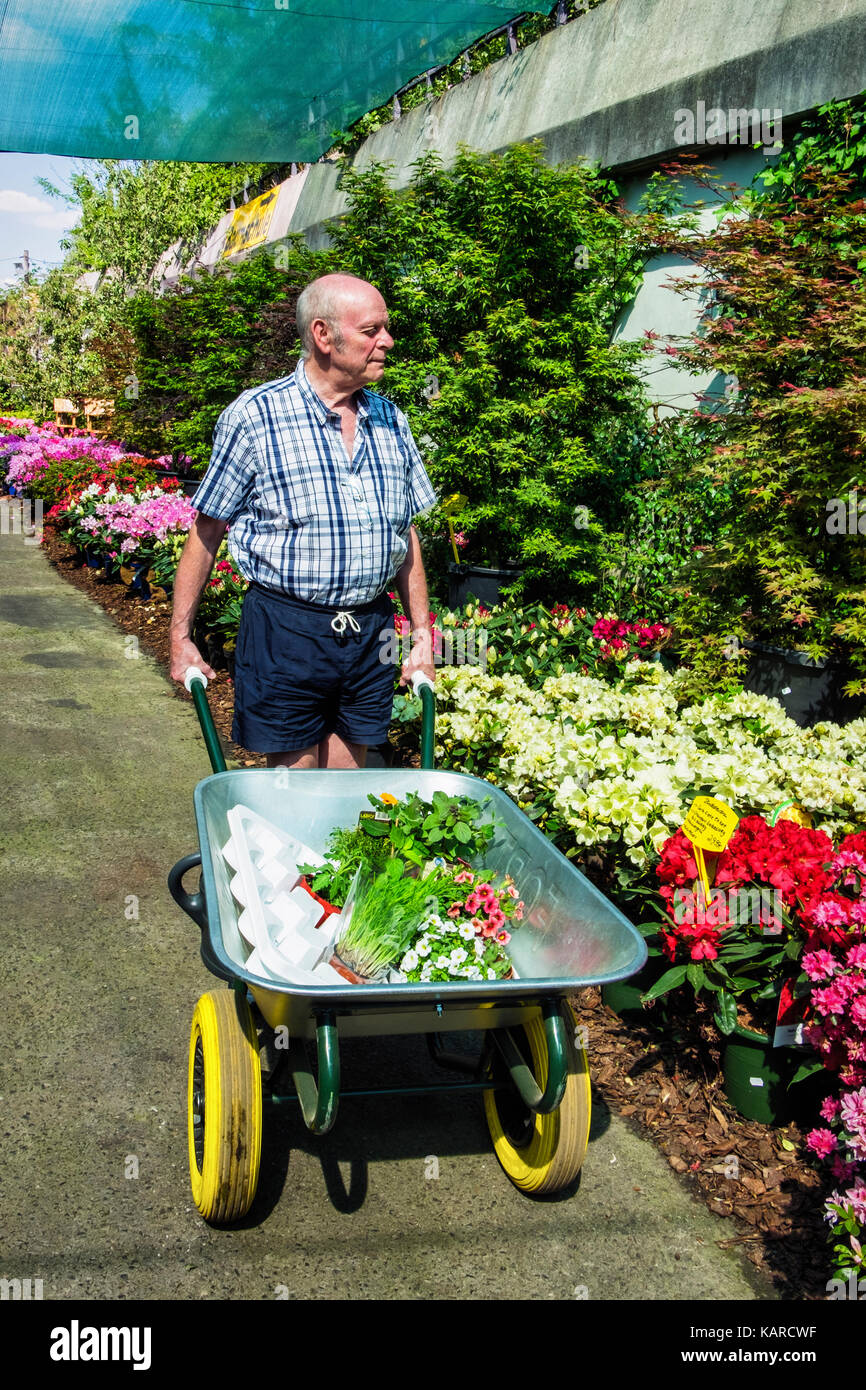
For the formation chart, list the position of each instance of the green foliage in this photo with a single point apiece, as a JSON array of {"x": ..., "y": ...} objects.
[
  {"x": 387, "y": 911},
  {"x": 449, "y": 826},
  {"x": 670, "y": 514},
  {"x": 347, "y": 848},
  {"x": 58, "y": 338},
  {"x": 412, "y": 830},
  {"x": 504, "y": 278},
  {"x": 131, "y": 211},
  {"x": 198, "y": 346},
  {"x": 790, "y": 326}
]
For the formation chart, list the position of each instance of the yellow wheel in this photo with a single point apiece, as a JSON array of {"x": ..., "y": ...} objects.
[
  {"x": 542, "y": 1153},
  {"x": 224, "y": 1103}
]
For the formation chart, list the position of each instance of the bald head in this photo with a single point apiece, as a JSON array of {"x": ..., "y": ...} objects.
[
  {"x": 328, "y": 298},
  {"x": 343, "y": 324}
]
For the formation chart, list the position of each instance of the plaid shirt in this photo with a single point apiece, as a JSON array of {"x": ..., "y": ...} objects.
[{"x": 303, "y": 519}]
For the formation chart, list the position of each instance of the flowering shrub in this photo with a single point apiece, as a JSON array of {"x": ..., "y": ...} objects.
[
  {"x": 835, "y": 964},
  {"x": 616, "y": 765},
  {"x": 130, "y": 524},
  {"x": 447, "y": 950},
  {"x": 741, "y": 945},
  {"x": 63, "y": 483},
  {"x": 41, "y": 446},
  {"x": 535, "y": 642},
  {"x": 222, "y": 599}
]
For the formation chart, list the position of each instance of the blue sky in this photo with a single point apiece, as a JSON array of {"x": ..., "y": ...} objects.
[{"x": 28, "y": 217}]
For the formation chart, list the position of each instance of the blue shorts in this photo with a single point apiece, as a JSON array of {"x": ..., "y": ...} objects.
[{"x": 298, "y": 680}]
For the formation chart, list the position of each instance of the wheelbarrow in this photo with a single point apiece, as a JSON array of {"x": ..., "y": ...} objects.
[{"x": 532, "y": 1066}]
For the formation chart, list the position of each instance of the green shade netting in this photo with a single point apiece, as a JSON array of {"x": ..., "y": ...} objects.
[{"x": 221, "y": 80}]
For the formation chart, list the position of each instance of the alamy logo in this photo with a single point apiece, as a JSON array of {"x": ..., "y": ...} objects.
[
  {"x": 19, "y": 1290},
  {"x": 19, "y": 516},
  {"x": 76, "y": 1343},
  {"x": 846, "y": 516},
  {"x": 740, "y": 125}
]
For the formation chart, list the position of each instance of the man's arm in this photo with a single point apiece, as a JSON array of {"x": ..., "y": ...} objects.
[
  {"x": 412, "y": 588},
  {"x": 193, "y": 572}
]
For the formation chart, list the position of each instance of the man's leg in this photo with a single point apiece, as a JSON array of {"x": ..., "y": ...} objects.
[
  {"x": 335, "y": 751},
  {"x": 297, "y": 757}
]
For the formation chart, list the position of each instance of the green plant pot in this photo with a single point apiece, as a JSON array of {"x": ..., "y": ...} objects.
[
  {"x": 756, "y": 1077},
  {"x": 623, "y": 996}
]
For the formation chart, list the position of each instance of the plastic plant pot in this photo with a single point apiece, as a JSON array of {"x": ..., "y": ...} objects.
[
  {"x": 756, "y": 1077},
  {"x": 467, "y": 582},
  {"x": 623, "y": 996}
]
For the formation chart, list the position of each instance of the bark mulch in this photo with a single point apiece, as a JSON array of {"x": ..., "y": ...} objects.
[
  {"x": 663, "y": 1076},
  {"x": 665, "y": 1079}
]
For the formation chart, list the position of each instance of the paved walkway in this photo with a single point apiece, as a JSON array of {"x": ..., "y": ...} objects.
[{"x": 101, "y": 973}]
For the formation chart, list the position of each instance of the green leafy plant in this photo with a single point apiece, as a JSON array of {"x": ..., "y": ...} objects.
[
  {"x": 448, "y": 826},
  {"x": 504, "y": 278},
  {"x": 387, "y": 911},
  {"x": 411, "y": 832},
  {"x": 789, "y": 328},
  {"x": 347, "y": 848}
]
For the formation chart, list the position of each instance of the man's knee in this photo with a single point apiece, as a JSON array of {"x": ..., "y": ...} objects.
[{"x": 299, "y": 758}]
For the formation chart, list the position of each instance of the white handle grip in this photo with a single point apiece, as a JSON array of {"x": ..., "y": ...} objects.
[
  {"x": 194, "y": 674},
  {"x": 418, "y": 679}
]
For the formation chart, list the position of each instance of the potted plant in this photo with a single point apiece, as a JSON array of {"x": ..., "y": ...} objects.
[
  {"x": 744, "y": 945},
  {"x": 484, "y": 583},
  {"x": 383, "y": 916},
  {"x": 809, "y": 690}
]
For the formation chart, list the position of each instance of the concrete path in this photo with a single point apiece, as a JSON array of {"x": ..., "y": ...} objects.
[{"x": 101, "y": 973}]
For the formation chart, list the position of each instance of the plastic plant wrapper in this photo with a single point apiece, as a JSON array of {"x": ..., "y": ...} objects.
[{"x": 383, "y": 913}]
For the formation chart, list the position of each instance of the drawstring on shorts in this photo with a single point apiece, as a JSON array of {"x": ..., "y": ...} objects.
[{"x": 344, "y": 619}]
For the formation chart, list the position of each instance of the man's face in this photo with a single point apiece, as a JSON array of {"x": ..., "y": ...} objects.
[{"x": 364, "y": 326}]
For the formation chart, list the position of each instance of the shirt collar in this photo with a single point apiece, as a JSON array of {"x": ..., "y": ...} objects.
[{"x": 323, "y": 412}]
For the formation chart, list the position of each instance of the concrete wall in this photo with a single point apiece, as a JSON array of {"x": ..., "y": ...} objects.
[
  {"x": 607, "y": 86},
  {"x": 612, "y": 86}
]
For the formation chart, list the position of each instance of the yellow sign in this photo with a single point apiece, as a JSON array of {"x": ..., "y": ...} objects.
[
  {"x": 450, "y": 505},
  {"x": 250, "y": 223},
  {"x": 710, "y": 824}
]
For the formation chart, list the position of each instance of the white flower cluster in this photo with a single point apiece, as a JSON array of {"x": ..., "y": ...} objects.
[
  {"x": 620, "y": 763},
  {"x": 439, "y": 955}
]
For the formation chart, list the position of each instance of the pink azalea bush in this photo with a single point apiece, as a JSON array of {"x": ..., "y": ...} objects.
[
  {"x": 834, "y": 963},
  {"x": 32, "y": 454},
  {"x": 130, "y": 524}
]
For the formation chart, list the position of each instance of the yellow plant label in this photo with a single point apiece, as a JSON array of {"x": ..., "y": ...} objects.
[
  {"x": 710, "y": 824},
  {"x": 450, "y": 506}
]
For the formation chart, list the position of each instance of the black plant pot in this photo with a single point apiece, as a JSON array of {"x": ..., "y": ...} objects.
[
  {"x": 467, "y": 582},
  {"x": 808, "y": 691},
  {"x": 191, "y": 486}
]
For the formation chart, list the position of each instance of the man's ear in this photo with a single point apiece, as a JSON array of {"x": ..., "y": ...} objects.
[{"x": 322, "y": 335}]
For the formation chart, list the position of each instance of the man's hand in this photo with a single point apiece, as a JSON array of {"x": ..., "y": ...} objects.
[
  {"x": 420, "y": 657},
  {"x": 193, "y": 572},
  {"x": 184, "y": 653}
]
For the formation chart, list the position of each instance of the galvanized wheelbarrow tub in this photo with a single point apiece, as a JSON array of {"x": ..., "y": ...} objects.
[{"x": 571, "y": 936}]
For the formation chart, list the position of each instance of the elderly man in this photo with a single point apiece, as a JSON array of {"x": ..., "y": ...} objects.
[{"x": 319, "y": 480}]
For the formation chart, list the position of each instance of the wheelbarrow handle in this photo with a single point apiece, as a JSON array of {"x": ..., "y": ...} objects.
[
  {"x": 196, "y": 683},
  {"x": 193, "y": 904},
  {"x": 423, "y": 686}
]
